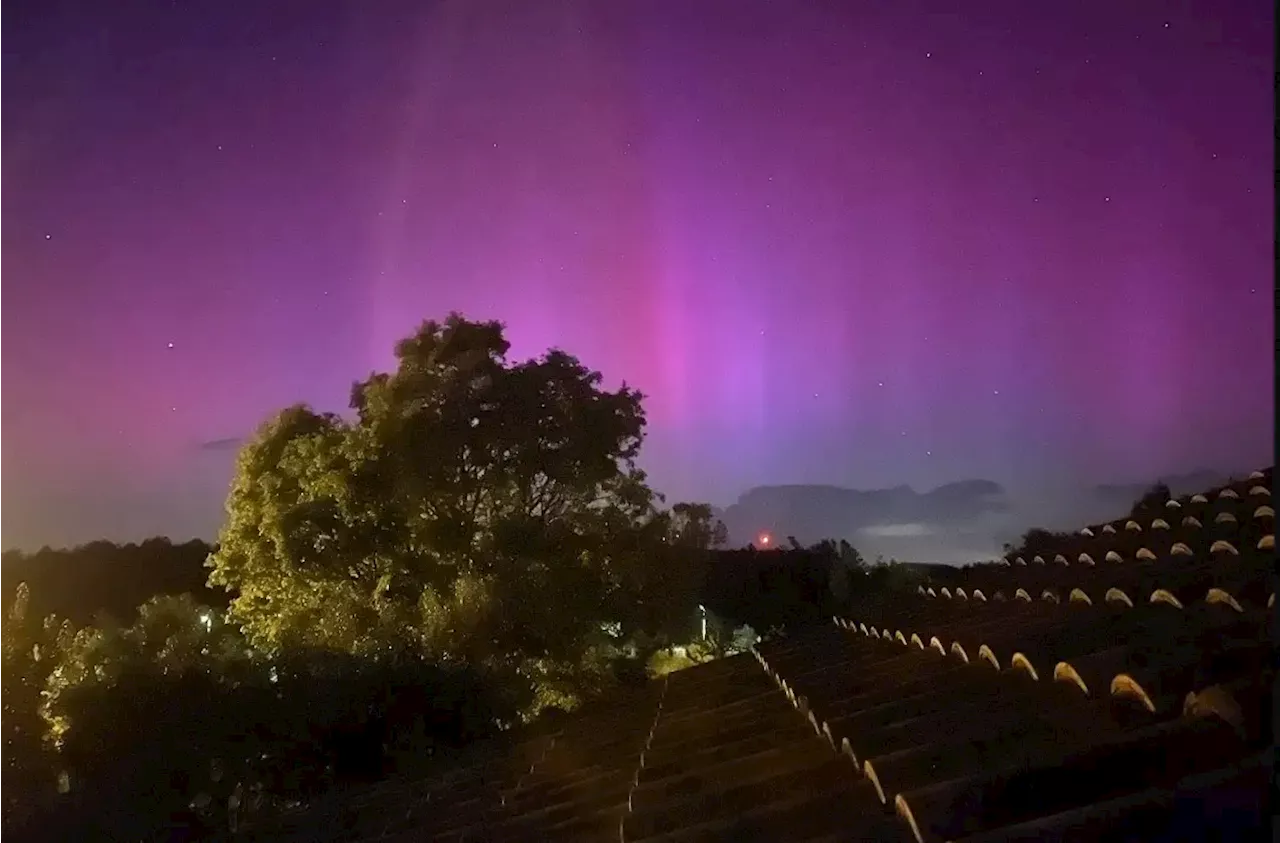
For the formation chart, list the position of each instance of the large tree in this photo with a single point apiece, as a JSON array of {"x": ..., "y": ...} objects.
[{"x": 474, "y": 509}]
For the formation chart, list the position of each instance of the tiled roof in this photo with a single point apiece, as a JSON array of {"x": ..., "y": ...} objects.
[{"x": 1104, "y": 693}]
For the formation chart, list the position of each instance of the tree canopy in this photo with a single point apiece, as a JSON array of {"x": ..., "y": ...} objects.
[{"x": 474, "y": 509}]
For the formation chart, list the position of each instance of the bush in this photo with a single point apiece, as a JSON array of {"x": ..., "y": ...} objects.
[
  {"x": 166, "y": 724},
  {"x": 667, "y": 661}
]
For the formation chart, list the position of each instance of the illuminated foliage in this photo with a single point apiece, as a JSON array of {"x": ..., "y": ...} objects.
[
  {"x": 31, "y": 649},
  {"x": 174, "y": 715},
  {"x": 668, "y": 661}
]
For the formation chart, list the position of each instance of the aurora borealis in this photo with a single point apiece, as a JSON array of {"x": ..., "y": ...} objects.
[{"x": 856, "y": 244}]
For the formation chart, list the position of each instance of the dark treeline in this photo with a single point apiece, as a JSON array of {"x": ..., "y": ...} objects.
[
  {"x": 769, "y": 589},
  {"x": 784, "y": 588},
  {"x": 102, "y": 582},
  {"x": 102, "y": 578}
]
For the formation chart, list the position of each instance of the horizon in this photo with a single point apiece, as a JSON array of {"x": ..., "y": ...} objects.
[{"x": 742, "y": 539}]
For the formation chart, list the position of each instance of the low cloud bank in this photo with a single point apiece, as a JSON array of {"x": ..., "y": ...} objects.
[{"x": 961, "y": 522}]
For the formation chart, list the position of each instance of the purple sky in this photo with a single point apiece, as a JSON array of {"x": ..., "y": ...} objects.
[{"x": 854, "y": 243}]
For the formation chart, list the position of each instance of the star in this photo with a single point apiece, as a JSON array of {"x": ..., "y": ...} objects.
[
  {"x": 170, "y": 345},
  {"x": 48, "y": 237}
]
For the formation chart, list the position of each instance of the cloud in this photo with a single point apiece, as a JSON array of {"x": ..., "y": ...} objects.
[
  {"x": 896, "y": 530},
  {"x": 230, "y": 443}
]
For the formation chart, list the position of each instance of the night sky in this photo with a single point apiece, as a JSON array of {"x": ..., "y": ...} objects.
[{"x": 864, "y": 244}]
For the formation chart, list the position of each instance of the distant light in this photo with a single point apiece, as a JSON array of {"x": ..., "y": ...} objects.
[
  {"x": 207, "y": 620},
  {"x": 764, "y": 539}
]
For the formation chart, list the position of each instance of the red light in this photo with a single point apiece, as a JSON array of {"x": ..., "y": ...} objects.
[{"x": 764, "y": 539}]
